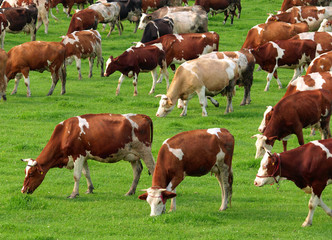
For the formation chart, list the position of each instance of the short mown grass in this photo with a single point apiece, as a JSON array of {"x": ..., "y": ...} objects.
[{"x": 26, "y": 125}]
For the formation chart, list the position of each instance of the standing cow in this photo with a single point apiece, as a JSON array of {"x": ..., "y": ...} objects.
[
  {"x": 3, "y": 80},
  {"x": 157, "y": 28},
  {"x": 185, "y": 155},
  {"x": 308, "y": 166},
  {"x": 102, "y": 137}
]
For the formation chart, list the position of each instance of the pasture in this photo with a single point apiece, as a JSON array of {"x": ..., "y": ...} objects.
[{"x": 26, "y": 125}]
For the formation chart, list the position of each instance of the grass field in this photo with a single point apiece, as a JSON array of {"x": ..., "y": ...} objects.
[{"x": 26, "y": 125}]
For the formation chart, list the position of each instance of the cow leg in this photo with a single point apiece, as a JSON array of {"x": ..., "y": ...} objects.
[
  {"x": 284, "y": 144},
  {"x": 246, "y": 98},
  {"x": 297, "y": 73},
  {"x": 202, "y": 101},
  {"x": 136, "y": 27},
  {"x": 148, "y": 159},
  {"x": 165, "y": 73},
  {"x": 325, "y": 207},
  {"x": 325, "y": 128},
  {"x": 86, "y": 173},
  {"x": 122, "y": 77},
  {"x": 154, "y": 80},
  {"x": 173, "y": 202},
  {"x": 230, "y": 93},
  {"x": 100, "y": 62},
  {"x": 3, "y": 39},
  {"x": 313, "y": 202},
  {"x": 27, "y": 84},
  {"x": 91, "y": 60},
  {"x": 17, "y": 80},
  {"x": 213, "y": 101},
  {"x": 135, "y": 83},
  {"x": 185, "y": 108},
  {"x": 78, "y": 167},
  {"x": 269, "y": 78},
  {"x": 78, "y": 66},
  {"x": 63, "y": 77},
  {"x": 137, "y": 169},
  {"x": 52, "y": 15}
]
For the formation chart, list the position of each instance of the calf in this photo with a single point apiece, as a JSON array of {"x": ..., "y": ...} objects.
[
  {"x": 19, "y": 19},
  {"x": 184, "y": 155},
  {"x": 83, "y": 44},
  {"x": 284, "y": 53},
  {"x": 135, "y": 60},
  {"x": 308, "y": 166},
  {"x": 102, "y": 137},
  {"x": 321, "y": 63},
  {"x": 246, "y": 63},
  {"x": 294, "y": 112},
  {"x": 3, "y": 80},
  {"x": 37, "y": 56},
  {"x": 157, "y": 28},
  {"x": 84, "y": 20},
  {"x": 313, "y": 16},
  {"x": 271, "y": 31},
  {"x": 203, "y": 77},
  {"x": 286, "y": 4}
]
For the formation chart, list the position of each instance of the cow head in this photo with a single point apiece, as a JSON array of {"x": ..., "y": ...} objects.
[
  {"x": 266, "y": 118},
  {"x": 325, "y": 26},
  {"x": 165, "y": 105},
  {"x": 262, "y": 144},
  {"x": 157, "y": 198},
  {"x": 109, "y": 67},
  {"x": 269, "y": 170},
  {"x": 34, "y": 176},
  {"x": 144, "y": 20}
]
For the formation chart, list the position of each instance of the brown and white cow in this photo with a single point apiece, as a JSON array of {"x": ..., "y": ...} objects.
[
  {"x": 37, "y": 56},
  {"x": 83, "y": 44},
  {"x": 185, "y": 155},
  {"x": 19, "y": 19},
  {"x": 321, "y": 63},
  {"x": 246, "y": 63},
  {"x": 294, "y": 54},
  {"x": 42, "y": 6},
  {"x": 325, "y": 26},
  {"x": 294, "y": 112},
  {"x": 204, "y": 77},
  {"x": 102, "y": 137},
  {"x": 186, "y": 19},
  {"x": 313, "y": 16},
  {"x": 3, "y": 80},
  {"x": 323, "y": 40},
  {"x": 308, "y": 166},
  {"x": 286, "y": 4},
  {"x": 271, "y": 31},
  {"x": 84, "y": 20},
  {"x": 138, "y": 59},
  {"x": 68, "y": 4}
]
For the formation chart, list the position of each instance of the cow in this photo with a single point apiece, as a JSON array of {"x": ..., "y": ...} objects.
[
  {"x": 226, "y": 6},
  {"x": 37, "y": 56},
  {"x": 84, "y": 20},
  {"x": 110, "y": 13},
  {"x": 308, "y": 166},
  {"x": 291, "y": 3},
  {"x": 42, "y": 6},
  {"x": 323, "y": 40},
  {"x": 153, "y": 4},
  {"x": 325, "y": 26},
  {"x": 157, "y": 28},
  {"x": 102, "y": 137},
  {"x": 135, "y": 60},
  {"x": 83, "y": 44},
  {"x": 294, "y": 112},
  {"x": 186, "y": 19},
  {"x": 184, "y": 155},
  {"x": 203, "y": 76},
  {"x": 321, "y": 63},
  {"x": 289, "y": 53},
  {"x": 68, "y": 4},
  {"x": 246, "y": 63},
  {"x": 313, "y": 16},
  {"x": 19, "y": 19},
  {"x": 271, "y": 31},
  {"x": 3, "y": 80}
]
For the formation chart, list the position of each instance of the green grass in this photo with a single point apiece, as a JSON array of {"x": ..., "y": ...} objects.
[{"x": 26, "y": 125}]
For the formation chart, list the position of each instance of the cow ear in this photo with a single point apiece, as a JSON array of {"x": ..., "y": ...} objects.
[
  {"x": 168, "y": 194},
  {"x": 111, "y": 57},
  {"x": 169, "y": 102},
  {"x": 143, "y": 196}
]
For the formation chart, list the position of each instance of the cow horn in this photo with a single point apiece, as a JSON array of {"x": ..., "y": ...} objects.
[
  {"x": 255, "y": 136},
  {"x": 159, "y": 95},
  {"x": 143, "y": 190}
]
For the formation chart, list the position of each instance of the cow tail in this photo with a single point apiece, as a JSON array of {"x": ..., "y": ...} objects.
[{"x": 151, "y": 127}]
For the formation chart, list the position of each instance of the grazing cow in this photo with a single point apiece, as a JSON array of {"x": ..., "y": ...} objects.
[
  {"x": 289, "y": 53},
  {"x": 185, "y": 155},
  {"x": 323, "y": 40},
  {"x": 42, "y": 6},
  {"x": 102, "y": 137},
  {"x": 83, "y": 44},
  {"x": 19, "y": 20},
  {"x": 325, "y": 26},
  {"x": 291, "y": 3},
  {"x": 186, "y": 19},
  {"x": 294, "y": 112},
  {"x": 321, "y": 63},
  {"x": 3, "y": 80},
  {"x": 84, "y": 20},
  {"x": 153, "y": 4},
  {"x": 246, "y": 63},
  {"x": 37, "y": 56},
  {"x": 313, "y": 16},
  {"x": 271, "y": 31},
  {"x": 109, "y": 12},
  {"x": 157, "y": 28},
  {"x": 308, "y": 166},
  {"x": 135, "y": 60},
  {"x": 204, "y": 77}
]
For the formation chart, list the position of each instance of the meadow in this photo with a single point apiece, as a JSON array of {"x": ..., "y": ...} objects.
[{"x": 26, "y": 125}]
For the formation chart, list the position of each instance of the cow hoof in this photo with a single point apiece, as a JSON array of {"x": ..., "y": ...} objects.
[
  {"x": 129, "y": 193},
  {"x": 72, "y": 196},
  {"x": 305, "y": 224}
]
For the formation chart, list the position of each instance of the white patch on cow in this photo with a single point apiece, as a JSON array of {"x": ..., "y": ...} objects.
[
  {"x": 230, "y": 69},
  {"x": 61, "y": 123},
  {"x": 178, "y": 37},
  {"x": 70, "y": 164},
  {"x": 177, "y": 152},
  {"x": 307, "y": 35},
  {"x": 214, "y": 131},
  {"x": 130, "y": 49},
  {"x": 307, "y": 189},
  {"x": 203, "y": 36},
  {"x": 108, "y": 62},
  {"x": 263, "y": 123},
  {"x": 329, "y": 182},
  {"x": 155, "y": 201},
  {"x": 325, "y": 149},
  {"x": 82, "y": 123},
  {"x": 326, "y": 113},
  {"x": 302, "y": 86},
  {"x": 31, "y": 163},
  {"x": 259, "y": 29},
  {"x": 78, "y": 18},
  {"x": 189, "y": 67},
  {"x": 49, "y": 63},
  {"x": 220, "y": 155},
  {"x": 280, "y": 51},
  {"x": 127, "y": 116},
  {"x": 158, "y": 45},
  {"x": 207, "y": 49}
]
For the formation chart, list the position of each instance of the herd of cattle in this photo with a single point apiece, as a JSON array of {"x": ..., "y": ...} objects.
[{"x": 179, "y": 35}]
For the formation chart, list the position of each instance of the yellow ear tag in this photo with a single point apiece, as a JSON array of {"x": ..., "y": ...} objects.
[
  {"x": 41, "y": 173},
  {"x": 272, "y": 164}
]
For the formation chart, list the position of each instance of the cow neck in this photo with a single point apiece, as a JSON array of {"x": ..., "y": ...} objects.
[
  {"x": 160, "y": 178},
  {"x": 49, "y": 158}
]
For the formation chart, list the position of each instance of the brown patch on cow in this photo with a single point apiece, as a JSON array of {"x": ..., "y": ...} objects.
[
  {"x": 311, "y": 12},
  {"x": 309, "y": 82}
]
